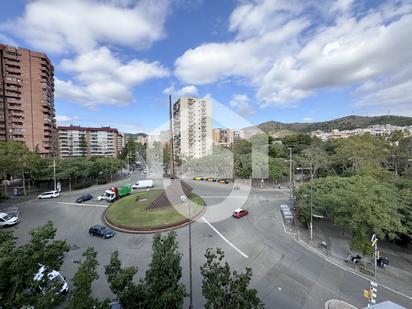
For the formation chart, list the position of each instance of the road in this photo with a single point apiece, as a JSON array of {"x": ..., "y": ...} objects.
[{"x": 285, "y": 273}]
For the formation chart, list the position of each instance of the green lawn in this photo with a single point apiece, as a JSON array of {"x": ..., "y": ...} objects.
[{"x": 128, "y": 211}]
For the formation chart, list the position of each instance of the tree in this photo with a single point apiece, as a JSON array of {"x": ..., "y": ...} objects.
[
  {"x": 224, "y": 289},
  {"x": 129, "y": 294},
  {"x": 18, "y": 265},
  {"x": 361, "y": 155},
  {"x": 160, "y": 288},
  {"x": 162, "y": 280},
  {"x": 362, "y": 204},
  {"x": 83, "y": 145},
  {"x": 131, "y": 149},
  {"x": 80, "y": 296}
]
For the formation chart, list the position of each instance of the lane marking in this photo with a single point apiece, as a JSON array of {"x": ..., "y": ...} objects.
[
  {"x": 224, "y": 196},
  {"x": 83, "y": 205},
  {"x": 224, "y": 238}
]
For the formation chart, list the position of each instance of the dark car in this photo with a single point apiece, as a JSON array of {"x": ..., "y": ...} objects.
[
  {"x": 101, "y": 231},
  {"x": 84, "y": 198}
]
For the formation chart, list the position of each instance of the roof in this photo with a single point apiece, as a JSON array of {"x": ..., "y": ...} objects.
[
  {"x": 79, "y": 128},
  {"x": 238, "y": 209},
  {"x": 387, "y": 305}
]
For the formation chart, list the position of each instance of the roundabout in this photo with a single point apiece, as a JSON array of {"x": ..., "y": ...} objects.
[{"x": 134, "y": 213}]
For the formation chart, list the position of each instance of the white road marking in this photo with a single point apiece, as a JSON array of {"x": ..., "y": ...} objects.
[
  {"x": 224, "y": 238},
  {"x": 83, "y": 205},
  {"x": 224, "y": 196}
]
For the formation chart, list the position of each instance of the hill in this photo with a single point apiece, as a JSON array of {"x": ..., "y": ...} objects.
[
  {"x": 135, "y": 135},
  {"x": 344, "y": 123}
]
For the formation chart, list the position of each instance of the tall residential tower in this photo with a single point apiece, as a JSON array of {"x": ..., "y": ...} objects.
[
  {"x": 27, "y": 111},
  {"x": 192, "y": 128}
]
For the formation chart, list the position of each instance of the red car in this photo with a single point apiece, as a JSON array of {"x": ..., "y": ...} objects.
[{"x": 239, "y": 213}]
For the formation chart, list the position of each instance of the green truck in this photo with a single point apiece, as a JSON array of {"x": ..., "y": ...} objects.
[{"x": 123, "y": 191}]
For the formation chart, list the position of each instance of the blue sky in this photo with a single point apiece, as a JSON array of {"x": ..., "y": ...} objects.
[{"x": 290, "y": 61}]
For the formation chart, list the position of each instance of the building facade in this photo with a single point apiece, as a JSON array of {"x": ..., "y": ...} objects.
[
  {"x": 27, "y": 112},
  {"x": 223, "y": 137},
  {"x": 76, "y": 141},
  {"x": 192, "y": 128}
]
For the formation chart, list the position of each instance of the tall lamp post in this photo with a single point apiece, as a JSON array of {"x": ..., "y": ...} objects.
[
  {"x": 290, "y": 175},
  {"x": 184, "y": 199}
]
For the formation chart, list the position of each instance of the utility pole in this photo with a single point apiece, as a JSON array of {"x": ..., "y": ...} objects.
[
  {"x": 185, "y": 199},
  {"x": 374, "y": 242},
  {"x": 172, "y": 158},
  {"x": 54, "y": 174},
  {"x": 290, "y": 176},
  {"x": 311, "y": 204}
]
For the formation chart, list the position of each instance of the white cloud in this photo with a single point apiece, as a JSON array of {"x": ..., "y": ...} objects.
[
  {"x": 101, "y": 78},
  {"x": 307, "y": 119},
  {"x": 240, "y": 103},
  {"x": 289, "y": 52},
  {"x": 64, "y": 119},
  {"x": 60, "y": 26},
  {"x": 184, "y": 91},
  {"x": 246, "y": 58}
]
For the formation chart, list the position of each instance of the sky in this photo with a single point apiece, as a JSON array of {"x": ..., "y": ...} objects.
[{"x": 116, "y": 61}]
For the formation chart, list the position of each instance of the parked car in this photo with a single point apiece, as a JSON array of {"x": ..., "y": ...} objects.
[
  {"x": 7, "y": 219},
  {"x": 211, "y": 179},
  {"x": 84, "y": 198},
  {"x": 50, "y": 194},
  {"x": 198, "y": 178},
  {"x": 101, "y": 231},
  {"x": 143, "y": 184},
  {"x": 223, "y": 180},
  {"x": 54, "y": 278},
  {"x": 115, "y": 305},
  {"x": 240, "y": 212}
]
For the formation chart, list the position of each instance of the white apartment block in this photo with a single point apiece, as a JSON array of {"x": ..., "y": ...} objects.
[
  {"x": 76, "y": 141},
  {"x": 192, "y": 127}
]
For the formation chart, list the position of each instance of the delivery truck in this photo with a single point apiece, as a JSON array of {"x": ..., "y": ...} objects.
[{"x": 115, "y": 193}]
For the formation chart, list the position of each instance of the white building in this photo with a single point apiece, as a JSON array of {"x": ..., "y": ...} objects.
[
  {"x": 76, "y": 141},
  {"x": 192, "y": 127}
]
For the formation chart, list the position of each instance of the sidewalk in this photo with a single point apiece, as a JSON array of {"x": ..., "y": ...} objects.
[{"x": 398, "y": 275}]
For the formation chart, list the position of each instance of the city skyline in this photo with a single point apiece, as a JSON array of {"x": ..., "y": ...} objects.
[{"x": 266, "y": 60}]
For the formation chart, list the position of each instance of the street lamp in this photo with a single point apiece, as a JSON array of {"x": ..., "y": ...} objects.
[
  {"x": 311, "y": 198},
  {"x": 183, "y": 198}
]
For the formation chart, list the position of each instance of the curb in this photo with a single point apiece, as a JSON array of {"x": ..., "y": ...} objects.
[
  {"x": 153, "y": 230},
  {"x": 338, "y": 304}
]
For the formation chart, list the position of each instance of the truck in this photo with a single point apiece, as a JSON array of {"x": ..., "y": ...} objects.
[
  {"x": 115, "y": 193},
  {"x": 143, "y": 184}
]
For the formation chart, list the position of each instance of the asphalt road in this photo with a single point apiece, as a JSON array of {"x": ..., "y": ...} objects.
[{"x": 285, "y": 273}]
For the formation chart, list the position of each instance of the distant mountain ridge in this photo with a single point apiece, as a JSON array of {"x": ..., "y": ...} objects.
[
  {"x": 345, "y": 123},
  {"x": 135, "y": 135}
]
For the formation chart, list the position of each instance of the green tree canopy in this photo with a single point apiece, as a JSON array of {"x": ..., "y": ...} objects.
[{"x": 223, "y": 288}]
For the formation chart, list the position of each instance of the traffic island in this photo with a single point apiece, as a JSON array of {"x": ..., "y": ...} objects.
[{"x": 135, "y": 214}]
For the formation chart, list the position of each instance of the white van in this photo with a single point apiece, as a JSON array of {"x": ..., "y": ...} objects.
[
  {"x": 51, "y": 194},
  {"x": 143, "y": 184}
]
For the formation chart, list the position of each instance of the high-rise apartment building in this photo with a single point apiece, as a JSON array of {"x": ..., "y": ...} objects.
[
  {"x": 76, "y": 141},
  {"x": 27, "y": 111},
  {"x": 192, "y": 127}
]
